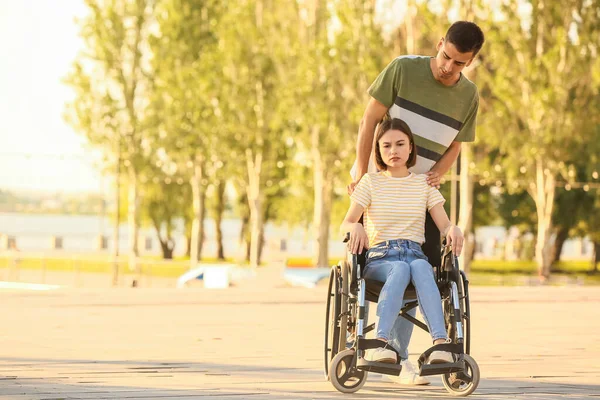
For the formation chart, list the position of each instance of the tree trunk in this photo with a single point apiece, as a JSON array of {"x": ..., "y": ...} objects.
[
  {"x": 561, "y": 237},
  {"x": 248, "y": 248},
  {"x": 245, "y": 231},
  {"x": 133, "y": 221},
  {"x": 198, "y": 198},
  {"x": 544, "y": 201},
  {"x": 188, "y": 243},
  {"x": 465, "y": 213},
  {"x": 256, "y": 221},
  {"x": 261, "y": 245},
  {"x": 256, "y": 202},
  {"x": 202, "y": 234},
  {"x": 322, "y": 221},
  {"x": 167, "y": 248},
  {"x": 472, "y": 248},
  {"x": 595, "y": 257},
  {"x": 167, "y": 244},
  {"x": 187, "y": 225},
  {"x": 543, "y": 247},
  {"x": 323, "y": 187},
  {"x": 219, "y": 210},
  {"x": 116, "y": 237},
  {"x": 254, "y": 161},
  {"x": 465, "y": 220}
]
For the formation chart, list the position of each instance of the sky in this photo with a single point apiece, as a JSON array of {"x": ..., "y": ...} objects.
[{"x": 39, "y": 151}]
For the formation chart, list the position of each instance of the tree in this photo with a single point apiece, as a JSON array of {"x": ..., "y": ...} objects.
[
  {"x": 185, "y": 48},
  {"x": 255, "y": 37},
  {"x": 572, "y": 207},
  {"x": 586, "y": 194},
  {"x": 339, "y": 53},
  {"x": 109, "y": 79},
  {"x": 165, "y": 200},
  {"x": 592, "y": 226},
  {"x": 538, "y": 77}
]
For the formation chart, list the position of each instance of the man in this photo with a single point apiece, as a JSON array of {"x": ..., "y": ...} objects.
[{"x": 440, "y": 105}]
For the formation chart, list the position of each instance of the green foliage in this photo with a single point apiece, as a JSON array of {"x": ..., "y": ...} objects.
[
  {"x": 165, "y": 84},
  {"x": 533, "y": 78},
  {"x": 517, "y": 209}
]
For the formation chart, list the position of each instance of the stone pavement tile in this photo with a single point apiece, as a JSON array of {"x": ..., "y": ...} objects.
[{"x": 248, "y": 342}]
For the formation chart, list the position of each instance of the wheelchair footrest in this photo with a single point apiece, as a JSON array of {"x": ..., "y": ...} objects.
[
  {"x": 379, "y": 367},
  {"x": 438, "y": 369}
]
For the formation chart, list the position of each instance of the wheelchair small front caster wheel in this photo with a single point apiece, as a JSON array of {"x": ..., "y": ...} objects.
[
  {"x": 464, "y": 383},
  {"x": 343, "y": 375}
]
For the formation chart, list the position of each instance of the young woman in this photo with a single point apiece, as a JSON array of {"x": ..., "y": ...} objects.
[{"x": 394, "y": 202}]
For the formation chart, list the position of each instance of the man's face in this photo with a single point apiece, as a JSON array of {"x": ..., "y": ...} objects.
[{"x": 449, "y": 62}]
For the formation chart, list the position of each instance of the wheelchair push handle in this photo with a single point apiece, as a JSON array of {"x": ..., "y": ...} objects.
[
  {"x": 446, "y": 248},
  {"x": 447, "y": 253}
]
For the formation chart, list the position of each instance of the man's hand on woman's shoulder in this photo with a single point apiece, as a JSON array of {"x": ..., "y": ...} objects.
[
  {"x": 351, "y": 187},
  {"x": 433, "y": 179}
]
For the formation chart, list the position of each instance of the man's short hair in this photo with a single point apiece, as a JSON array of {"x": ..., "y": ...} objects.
[{"x": 466, "y": 36}]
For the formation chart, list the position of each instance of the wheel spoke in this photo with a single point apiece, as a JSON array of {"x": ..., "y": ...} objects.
[
  {"x": 329, "y": 331},
  {"x": 344, "y": 378},
  {"x": 464, "y": 377}
]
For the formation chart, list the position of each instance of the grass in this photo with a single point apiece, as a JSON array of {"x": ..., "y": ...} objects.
[
  {"x": 528, "y": 267},
  {"x": 507, "y": 273},
  {"x": 154, "y": 266},
  {"x": 513, "y": 279},
  {"x": 483, "y": 272},
  {"x": 483, "y": 266}
]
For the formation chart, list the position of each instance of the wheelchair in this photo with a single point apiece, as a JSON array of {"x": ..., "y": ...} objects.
[{"x": 348, "y": 291}]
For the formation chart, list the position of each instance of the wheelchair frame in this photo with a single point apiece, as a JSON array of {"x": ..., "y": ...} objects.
[{"x": 345, "y": 314}]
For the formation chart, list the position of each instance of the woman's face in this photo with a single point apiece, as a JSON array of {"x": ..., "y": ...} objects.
[{"x": 395, "y": 148}]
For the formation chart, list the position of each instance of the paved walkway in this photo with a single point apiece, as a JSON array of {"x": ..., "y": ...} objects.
[{"x": 262, "y": 340}]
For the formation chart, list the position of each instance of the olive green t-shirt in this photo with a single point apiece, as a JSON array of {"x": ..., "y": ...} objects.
[{"x": 436, "y": 114}]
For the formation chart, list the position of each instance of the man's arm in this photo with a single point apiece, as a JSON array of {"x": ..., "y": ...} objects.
[
  {"x": 373, "y": 115},
  {"x": 443, "y": 165},
  {"x": 466, "y": 134}
]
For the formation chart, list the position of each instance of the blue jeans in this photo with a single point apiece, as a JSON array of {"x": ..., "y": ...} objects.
[
  {"x": 396, "y": 263},
  {"x": 401, "y": 331}
]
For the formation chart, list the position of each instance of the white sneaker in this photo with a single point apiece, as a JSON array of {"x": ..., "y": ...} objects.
[
  {"x": 350, "y": 339},
  {"x": 381, "y": 354},
  {"x": 440, "y": 357},
  {"x": 408, "y": 376}
]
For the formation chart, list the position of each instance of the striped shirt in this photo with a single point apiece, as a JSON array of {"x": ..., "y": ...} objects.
[
  {"x": 395, "y": 207},
  {"x": 436, "y": 114}
]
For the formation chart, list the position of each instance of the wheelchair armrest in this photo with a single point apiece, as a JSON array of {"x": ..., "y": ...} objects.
[
  {"x": 449, "y": 263},
  {"x": 445, "y": 248},
  {"x": 357, "y": 259}
]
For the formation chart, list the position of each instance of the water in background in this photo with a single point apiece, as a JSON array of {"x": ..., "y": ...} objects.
[{"x": 79, "y": 233}]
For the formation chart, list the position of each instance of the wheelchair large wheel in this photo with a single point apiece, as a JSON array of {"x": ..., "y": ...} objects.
[
  {"x": 343, "y": 374},
  {"x": 465, "y": 316},
  {"x": 344, "y": 281},
  {"x": 466, "y": 311},
  {"x": 464, "y": 383},
  {"x": 336, "y": 318}
]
